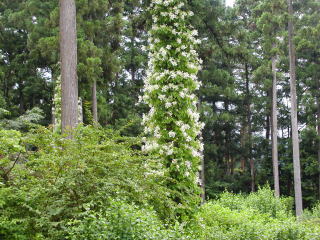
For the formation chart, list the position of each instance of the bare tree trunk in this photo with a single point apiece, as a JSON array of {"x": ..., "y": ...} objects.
[
  {"x": 68, "y": 55},
  {"x": 94, "y": 102},
  {"x": 318, "y": 127},
  {"x": 268, "y": 117},
  {"x": 21, "y": 98},
  {"x": 268, "y": 126},
  {"x": 294, "y": 116},
  {"x": 275, "y": 130},
  {"x": 249, "y": 133}
]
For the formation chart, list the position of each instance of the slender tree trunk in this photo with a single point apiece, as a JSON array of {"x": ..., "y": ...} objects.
[
  {"x": 275, "y": 130},
  {"x": 243, "y": 132},
  {"x": 94, "y": 102},
  {"x": 249, "y": 134},
  {"x": 94, "y": 83},
  {"x": 21, "y": 98},
  {"x": 68, "y": 54},
  {"x": 318, "y": 127},
  {"x": 268, "y": 126},
  {"x": 268, "y": 118},
  {"x": 294, "y": 116}
]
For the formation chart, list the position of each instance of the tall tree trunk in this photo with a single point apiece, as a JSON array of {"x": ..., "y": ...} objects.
[
  {"x": 249, "y": 134},
  {"x": 294, "y": 116},
  {"x": 275, "y": 130},
  {"x": 94, "y": 83},
  {"x": 243, "y": 132},
  {"x": 94, "y": 102},
  {"x": 68, "y": 54},
  {"x": 21, "y": 98},
  {"x": 268, "y": 126},
  {"x": 318, "y": 127},
  {"x": 227, "y": 142}
]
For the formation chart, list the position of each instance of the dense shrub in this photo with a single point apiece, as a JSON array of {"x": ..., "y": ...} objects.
[
  {"x": 126, "y": 222},
  {"x": 262, "y": 201},
  {"x": 101, "y": 186},
  {"x": 58, "y": 178},
  {"x": 254, "y": 217}
]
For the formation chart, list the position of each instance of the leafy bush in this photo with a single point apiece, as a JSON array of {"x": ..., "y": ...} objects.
[
  {"x": 121, "y": 221},
  {"x": 25, "y": 122},
  {"x": 101, "y": 186},
  {"x": 262, "y": 201},
  {"x": 10, "y": 151},
  {"x": 254, "y": 217},
  {"x": 59, "y": 177}
]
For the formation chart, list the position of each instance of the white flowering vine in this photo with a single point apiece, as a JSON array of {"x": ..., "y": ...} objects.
[
  {"x": 56, "y": 110},
  {"x": 173, "y": 120}
]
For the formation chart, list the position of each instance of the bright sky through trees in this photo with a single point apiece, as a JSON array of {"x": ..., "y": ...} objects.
[{"x": 230, "y": 2}]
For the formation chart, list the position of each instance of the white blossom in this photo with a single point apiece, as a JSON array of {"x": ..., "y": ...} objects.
[{"x": 172, "y": 134}]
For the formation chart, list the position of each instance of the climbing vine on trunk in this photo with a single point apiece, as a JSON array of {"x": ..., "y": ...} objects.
[{"x": 173, "y": 120}]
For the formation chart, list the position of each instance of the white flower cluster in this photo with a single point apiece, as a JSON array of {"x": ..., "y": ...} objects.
[
  {"x": 173, "y": 119},
  {"x": 56, "y": 109}
]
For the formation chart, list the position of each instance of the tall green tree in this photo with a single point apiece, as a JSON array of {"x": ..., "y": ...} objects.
[
  {"x": 294, "y": 117},
  {"x": 270, "y": 23}
]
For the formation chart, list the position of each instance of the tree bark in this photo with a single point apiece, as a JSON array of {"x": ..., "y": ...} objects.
[
  {"x": 249, "y": 134},
  {"x": 21, "y": 98},
  {"x": 94, "y": 102},
  {"x": 318, "y": 127},
  {"x": 268, "y": 127},
  {"x": 294, "y": 116},
  {"x": 275, "y": 130},
  {"x": 68, "y": 55}
]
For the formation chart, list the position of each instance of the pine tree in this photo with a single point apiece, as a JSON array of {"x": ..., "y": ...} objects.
[
  {"x": 270, "y": 24},
  {"x": 294, "y": 115}
]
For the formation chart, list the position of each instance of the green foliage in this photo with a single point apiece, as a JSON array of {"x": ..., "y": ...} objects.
[
  {"x": 173, "y": 120},
  {"x": 101, "y": 186},
  {"x": 121, "y": 221},
  {"x": 263, "y": 201},
  {"x": 59, "y": 178},
  {"x": 257, "y": 216},
  {"x": 31, "y": 119},
  {"x": 56, "y": 110}
]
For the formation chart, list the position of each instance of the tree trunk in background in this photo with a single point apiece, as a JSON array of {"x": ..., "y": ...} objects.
[
  {"x": 294, "y": 116},
  {"x": 21, "y": 99},
  {"x": 275, "y": 130},
  {"x": 318, "y": 127},
  {"x": 268, "y": 125},
  {"x": 94, "y": 102},
  {"x": 249, "y": 127},
  {"x": 68, "y": 55}
]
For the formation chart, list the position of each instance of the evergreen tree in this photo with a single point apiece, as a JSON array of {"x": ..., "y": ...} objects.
[{"x": 294, "y": 117}]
